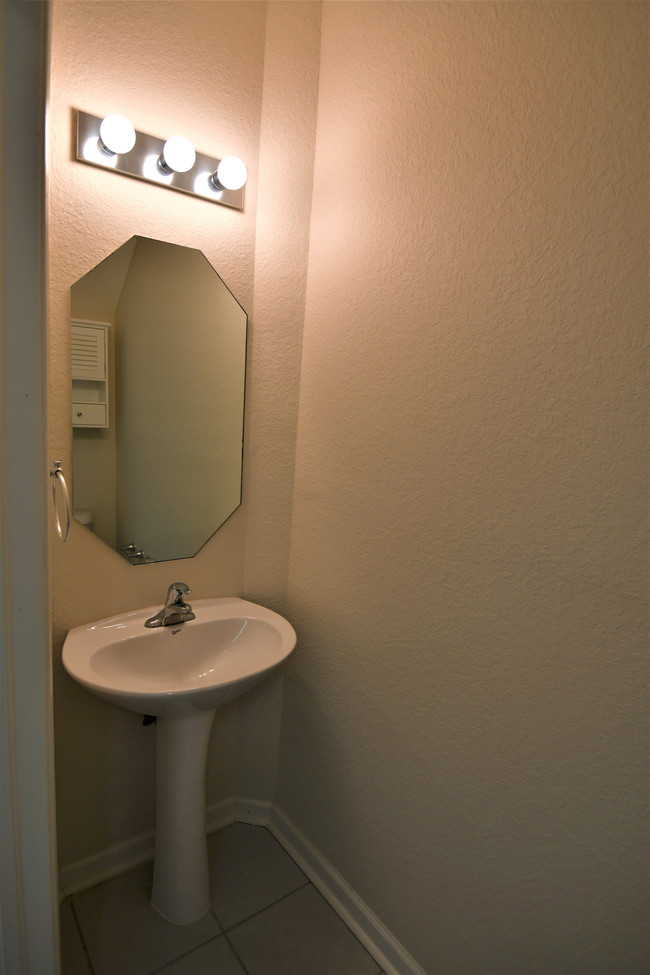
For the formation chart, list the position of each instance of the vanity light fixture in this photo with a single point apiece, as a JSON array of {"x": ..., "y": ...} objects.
[
  {"x": 230, "y": 174},
  {"x": 116, "y": 135},
  {"x": 178, "y": 155},
  {"x": 112, "y": 143}
]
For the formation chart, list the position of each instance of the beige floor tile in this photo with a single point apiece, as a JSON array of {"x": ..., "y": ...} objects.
[
  {"x": 73, "y": 956},
  {"x": 249, "y": 871},
  {"x": 123, "y": 933},
  {"x": 214, "y": 958},
  {"x": 278, "y": 924},
  {"x": 300, "y": 935}
]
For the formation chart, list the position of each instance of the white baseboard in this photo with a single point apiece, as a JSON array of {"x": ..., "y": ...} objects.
[
  {"x": 102, "y": 866},
  {"x": 253, "y": 811},
  {"x": 124, "y": 856},
  {"x": 356, "y": 914},
  {"x": 373, "y": 935}
]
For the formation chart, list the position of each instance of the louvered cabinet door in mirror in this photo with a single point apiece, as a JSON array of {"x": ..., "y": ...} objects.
[{"x": 89, "y": 369}]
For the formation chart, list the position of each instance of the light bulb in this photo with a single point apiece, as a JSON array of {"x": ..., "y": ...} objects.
[
  {"x": 116, "y": 135},
  {"x": 230, "y": 174},
  {"x": 178, "y": 155}
]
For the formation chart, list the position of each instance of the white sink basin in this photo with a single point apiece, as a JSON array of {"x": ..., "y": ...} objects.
[
  {"x": 181, "y": 674},
  {"x": 175, "y": 670}
]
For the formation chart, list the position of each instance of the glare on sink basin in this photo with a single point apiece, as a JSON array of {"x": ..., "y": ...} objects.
[
  {"x": 188, "y": 655},
  {"x": 197, "y": 665}
]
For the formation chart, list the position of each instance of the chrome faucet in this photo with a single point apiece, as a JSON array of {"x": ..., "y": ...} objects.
[{"x": 175, "y": 610}]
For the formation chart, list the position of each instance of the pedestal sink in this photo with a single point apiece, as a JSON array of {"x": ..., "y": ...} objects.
[{"x": 181, "y": 674}]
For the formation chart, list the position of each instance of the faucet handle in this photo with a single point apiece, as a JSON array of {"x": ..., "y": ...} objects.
[
  {"x": 175, "y": 610},
  {"x": 181, "y": 590}
]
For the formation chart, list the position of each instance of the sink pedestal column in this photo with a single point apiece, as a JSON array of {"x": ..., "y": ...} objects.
[{"x": 181, "y": 882}]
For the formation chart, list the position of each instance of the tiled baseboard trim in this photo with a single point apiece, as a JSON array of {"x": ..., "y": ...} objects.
[{"x": 358, "y": 917}]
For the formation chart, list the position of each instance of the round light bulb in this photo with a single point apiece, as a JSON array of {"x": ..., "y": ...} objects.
[
  {"x": 231, "y": 173},
  {"x": 116, "y": 134},
  {"x": 178, "y": 154}
]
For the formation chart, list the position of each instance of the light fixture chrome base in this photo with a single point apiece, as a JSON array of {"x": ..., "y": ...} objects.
[{"x": 142, "y": 162}]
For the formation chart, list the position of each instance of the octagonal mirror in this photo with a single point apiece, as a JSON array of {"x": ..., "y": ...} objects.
[{"x": 158, "y": 361}]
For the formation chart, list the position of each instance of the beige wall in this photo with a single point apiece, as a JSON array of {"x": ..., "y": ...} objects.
[
  {"x": 196, "y": 68},
  {"x": 464, "y": 723},
  {"x": 286, "y": 159},
  {"x": 461, "y": 554},
  {"x": 235, "y": 78}
]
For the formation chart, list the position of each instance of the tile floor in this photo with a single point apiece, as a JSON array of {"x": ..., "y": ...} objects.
[{"x": 266, "y": 919}]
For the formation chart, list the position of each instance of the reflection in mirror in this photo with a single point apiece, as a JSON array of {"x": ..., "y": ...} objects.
[{"x": 157, "y": 436}]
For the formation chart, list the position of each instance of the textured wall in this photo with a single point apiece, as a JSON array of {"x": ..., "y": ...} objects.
[
  {"x": 196, "y": 68},
  {"x": 286, "y": 159},
  {"x": 460, "y": 722},
  {"x": 464, "y": 724}
]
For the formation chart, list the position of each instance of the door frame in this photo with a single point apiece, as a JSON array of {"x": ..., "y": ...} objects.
[{"x": 29, "y": 935}]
